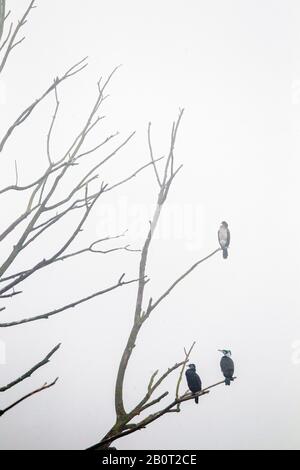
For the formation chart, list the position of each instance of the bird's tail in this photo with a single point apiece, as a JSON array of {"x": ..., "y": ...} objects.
[
  {"x": 225, "y": 253},
  {"x": 228, "y": 380},
  {"x": 197, "y": 400}
]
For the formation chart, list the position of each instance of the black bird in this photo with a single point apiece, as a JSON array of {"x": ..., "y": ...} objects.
[
  {"x": 193, "y": 380},
  {"x": 227, "y": 366},
  {"x": 224, "y": 238}
]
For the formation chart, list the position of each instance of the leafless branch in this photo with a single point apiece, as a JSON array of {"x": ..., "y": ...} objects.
[
  {"x": 46, "y": 207},
  {"x": 8, "y": 13},
  {"x": 31, "y": 371},
  {"x": 89, "y": 174},
  {"x": 143, "y": 404},
  {"x": 155, "y": 401},
  {"x": 74, "y": 70},
  {"x": 92, "y": 248},
  {"x": 116, "y": 185},
  {"x": 37, "y": 182},
  {"x": 20, "y": 245},
  {"x": 140, "y": 316},
  {"x": 15, "y": 223},
  {"x": 9, "y": 296},
  {"x": 152, "y": 157},
  {"x": 7, "y": 37},
  {"x": 12, "y": 38},
  {"x": 180, "y": 279},
  {"x": 123, "y": 424},
  {"x": 52, "y": 123},
  {"x": 172, "y": 407},
  {"x": 39, "y": 185},
  {"x": 92, "y": 150},
  {"x": 41, "y": 389},
  {"x": 2, "y": 17},
  {"x": 187, "y": 356},
  {"x": 74, "y": 304}
]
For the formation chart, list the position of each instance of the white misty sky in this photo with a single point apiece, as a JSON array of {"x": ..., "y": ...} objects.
[{"x": 235, "y": 68}]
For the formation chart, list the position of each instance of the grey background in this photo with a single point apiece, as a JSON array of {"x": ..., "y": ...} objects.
[{"x": 235, "y": 67}]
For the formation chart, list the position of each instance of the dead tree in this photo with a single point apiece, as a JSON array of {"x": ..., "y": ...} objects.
[
  {"x": 46, "y": 202},
  {"x": 45, "y": 207},
  {"x": 125, "y": 423}
]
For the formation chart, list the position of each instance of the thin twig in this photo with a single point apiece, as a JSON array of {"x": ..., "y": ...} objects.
[
  {"x": 41, "y": 389},
  {"x": 74, "y": 70},
  {"x": 152, "y": 156},
  {"x": 52, "y": 123},
  {"x": 187, "y": 357},
  {"x": 145, "y": 422},
  {"x": 31, "y": 371},
  {"x": 181, "y": 278},
  {"x": 12, "y": 44},
  {"x": 74, "y": 304}
]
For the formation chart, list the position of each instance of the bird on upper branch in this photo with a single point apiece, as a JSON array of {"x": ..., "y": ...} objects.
[{"x": 224, "y": 238}]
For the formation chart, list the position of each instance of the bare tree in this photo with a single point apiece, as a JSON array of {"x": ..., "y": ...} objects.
[
  {"x": 47, "y": 203},
  {"x": 144, "y": 307}
]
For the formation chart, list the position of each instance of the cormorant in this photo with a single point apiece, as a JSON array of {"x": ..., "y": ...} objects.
[
  {"x": 224, "y": 238},
  {"x": 193, "y": 380},
  {"x": 227, "y": 366}
]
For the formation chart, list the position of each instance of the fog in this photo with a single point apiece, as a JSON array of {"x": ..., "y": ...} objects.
[{"x": 235, "y": 68}]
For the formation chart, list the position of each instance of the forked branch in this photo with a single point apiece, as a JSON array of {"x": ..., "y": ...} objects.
[
  {"x": 72, "y": 305},
  {"x": 12, "y": 39},
  {"x": 28, "y": 395},
  {"x": 31, "y": 371},
  {"x": 74, "y": 70},
  {"x": 171, "y": 408}
]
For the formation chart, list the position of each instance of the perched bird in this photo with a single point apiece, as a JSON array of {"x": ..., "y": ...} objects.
[
  {"x": 224, "y": 238},
  {"x": 193, "y": 380},
  {"x": 227, "y": 366}
]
